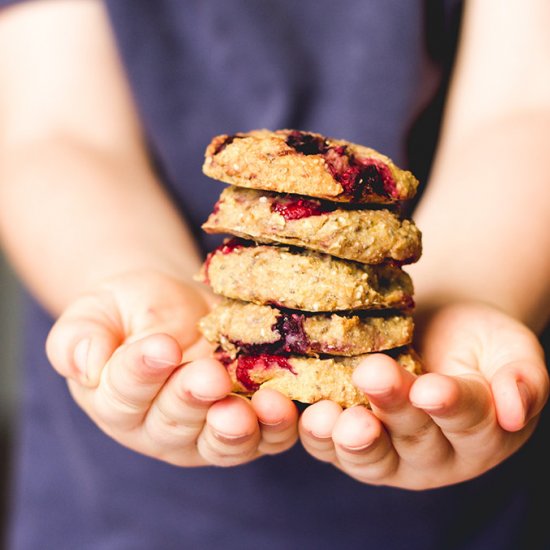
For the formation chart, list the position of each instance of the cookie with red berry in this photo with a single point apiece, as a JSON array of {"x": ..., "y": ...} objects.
[
  {"x": 369, "y": 236},
  {"x": 305, "y": 379}
]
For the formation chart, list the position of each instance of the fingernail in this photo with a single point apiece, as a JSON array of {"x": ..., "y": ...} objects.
[
  {"x": 230, "y": 438},
  {"x": 379, "y": 392},
  {"x": 433, "y": 408},
  {"x": 205, "y": 399},
  {"x": 358, "y": 449},
  {"x": 322, "y": 437},
  {"x": 80, "y": 356},
  {"x": 525, "y": 397},
  {"x": 272, "y": 424},
  {"x": 157, "y": 363}
]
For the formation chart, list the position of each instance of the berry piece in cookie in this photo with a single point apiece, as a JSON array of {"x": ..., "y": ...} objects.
[
  {"x": 302, "y": 279},
  {"x": 363, "y": 235},
  {"x": 241, "y": 327},
  {"x": 305, "y": 379},
  {"x": 291, "y": 161}
]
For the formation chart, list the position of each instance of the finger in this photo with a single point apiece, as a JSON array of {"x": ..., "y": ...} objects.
[
  {"x": 169, "y": 307},
  {"x": 83, "y": 339},
  {"x": 178, "y": 414},
  {"x": 414, "y": 435},
  {"x": 363, "y": 448},
  {"x": 231, "y": 434},
  {"x": 520, "y": 390},
  {"x": 201, "y": 348},
  {"x": 315, "y": 428},
  {"x": 278, "y": 418},
  {"x": 132, "y": 378},
  {"x": 462, "y": 407}
]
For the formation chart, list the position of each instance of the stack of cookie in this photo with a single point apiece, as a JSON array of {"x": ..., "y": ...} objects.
[{"x": 312, "y": 280}]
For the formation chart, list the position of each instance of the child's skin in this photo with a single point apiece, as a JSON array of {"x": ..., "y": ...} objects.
[{"x": 70, "y": 221}]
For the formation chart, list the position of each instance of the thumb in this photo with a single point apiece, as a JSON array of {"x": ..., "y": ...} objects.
[
  {"x": 84, "y": 337},
  {"x": 520, "y": 390}
]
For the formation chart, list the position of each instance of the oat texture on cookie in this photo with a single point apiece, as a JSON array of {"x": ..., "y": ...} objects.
[{"x": 312, "y": 278}]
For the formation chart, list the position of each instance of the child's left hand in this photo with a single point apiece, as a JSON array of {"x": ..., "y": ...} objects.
[{"x": 485, "y": 386}]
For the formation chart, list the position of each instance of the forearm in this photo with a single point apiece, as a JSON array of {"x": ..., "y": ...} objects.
[
  {"x": 72, "y": 214},
  {"x": 485, "y": 220},
  {"x": 485, "y": 216}
]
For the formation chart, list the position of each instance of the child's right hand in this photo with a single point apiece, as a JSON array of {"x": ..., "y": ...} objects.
[{"x": 123, "y": 349}]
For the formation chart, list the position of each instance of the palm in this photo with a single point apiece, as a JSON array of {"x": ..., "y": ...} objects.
[
  {"x": 483, "y": 344},
  {"x": 150, "y": 302},
  {"x": 137, "y": 366},
  {"x": 461, "y": 418}
]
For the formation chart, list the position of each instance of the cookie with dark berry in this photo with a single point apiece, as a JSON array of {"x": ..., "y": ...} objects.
[
  {"x": 306, "y": 163},
  {"x": 249, "y": 328}
]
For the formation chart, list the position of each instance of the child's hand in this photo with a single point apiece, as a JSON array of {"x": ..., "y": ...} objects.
[
  {"x": 122, "y": 347},
  {"x": 486, "y": 385}
]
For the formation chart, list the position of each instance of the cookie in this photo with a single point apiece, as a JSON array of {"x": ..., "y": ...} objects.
[
  {"x": 290, "y": 161},
  {"x": 302, "y": 279},
  {"x": 305, "y": 379},
  {"x": 367, "y": 236},
  {"x": 242, "y": 327}
]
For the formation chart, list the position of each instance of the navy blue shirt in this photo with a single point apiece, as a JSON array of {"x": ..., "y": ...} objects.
[{"x": 370, "y": 71}]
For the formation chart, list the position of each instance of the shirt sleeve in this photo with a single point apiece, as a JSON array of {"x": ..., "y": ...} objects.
[{"x": 6, "y": 3}]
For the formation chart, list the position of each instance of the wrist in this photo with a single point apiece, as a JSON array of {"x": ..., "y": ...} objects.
[{"x": 437, "y": 287}]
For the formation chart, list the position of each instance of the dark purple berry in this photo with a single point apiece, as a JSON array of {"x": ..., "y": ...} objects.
[
  {"x": 307, "y": 144},
  {"x": 291, "y": 328},
  {"x": 224, "y": 143}
]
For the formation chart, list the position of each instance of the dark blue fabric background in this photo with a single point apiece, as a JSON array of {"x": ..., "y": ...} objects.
[{"x": 370, "y": 71}]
